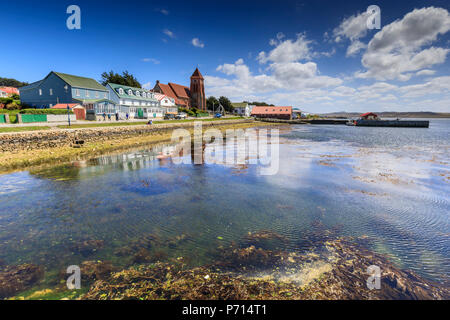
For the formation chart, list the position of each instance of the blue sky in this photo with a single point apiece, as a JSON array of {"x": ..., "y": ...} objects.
[{"x": 316, "y": 55}]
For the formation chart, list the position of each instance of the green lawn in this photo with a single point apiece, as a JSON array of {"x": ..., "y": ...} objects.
[{"x": 20, "y": 129}]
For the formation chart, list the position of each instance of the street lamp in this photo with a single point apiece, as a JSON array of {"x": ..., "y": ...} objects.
[{"x": 68, "y": 114}]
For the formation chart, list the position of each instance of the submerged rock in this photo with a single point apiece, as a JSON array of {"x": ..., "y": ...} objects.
[
  {"x": 14, "y": 279},
  {"x": 87, "y": 247}
]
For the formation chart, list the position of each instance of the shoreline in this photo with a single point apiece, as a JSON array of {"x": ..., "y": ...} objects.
[{"x": 122, "y": 138}]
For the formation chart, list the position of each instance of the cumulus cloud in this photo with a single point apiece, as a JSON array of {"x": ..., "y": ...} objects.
[
  {"x": 288, "y": 51},
  {"x": 197, "y": 43},
  {"x": 285, "y": 71},
  {"x": 397, "y": 50},
  {"x": 352, "y": 28}
]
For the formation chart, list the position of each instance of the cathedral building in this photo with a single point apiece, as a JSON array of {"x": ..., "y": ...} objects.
[{"x": 193, "y": 97}]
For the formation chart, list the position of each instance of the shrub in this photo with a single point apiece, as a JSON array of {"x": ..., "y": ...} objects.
[
  {"x": 6, "y": 101},
  {"x": 12, "y": 106}
]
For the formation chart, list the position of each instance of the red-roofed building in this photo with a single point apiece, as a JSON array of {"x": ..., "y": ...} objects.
[
  {"x": 77, "y": 109},
  {"x": 185, "y": 97},
  {"x": 8, "y": 91},
  {"x": 272, "y": 112},
  {"x": 369, "y": 116}
]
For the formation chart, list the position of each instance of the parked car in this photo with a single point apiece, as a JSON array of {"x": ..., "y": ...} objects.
[
  {"x": 169, "y": 116},
  {"x": 218, "y": 115},
  {"x": 181, "y": 115}
]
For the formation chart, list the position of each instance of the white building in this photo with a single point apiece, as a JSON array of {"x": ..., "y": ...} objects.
[
  {"x": 136, "y": 102},
  {"x": 243, "y": 109},
  {"x": 167, "y": 103}
]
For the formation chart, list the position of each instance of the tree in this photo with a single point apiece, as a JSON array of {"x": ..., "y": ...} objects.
[
  {"x": 126, "y": 79},
  {"x": 226, "y": 104},
  {"x": 7, "y": 82},
  {"x": 256, "y": 103},
  {"x": 212, "y": 103}
]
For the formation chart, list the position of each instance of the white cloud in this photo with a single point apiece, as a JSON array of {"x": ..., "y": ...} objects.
[
  {"x": 355, "y": 47},
  {"x": 197, "y": 43},
  {"x": 169, "y": 33},
  {"x": 398, "y": 50},
  {"x": 147, "y": 86},
  {"x": 155, "y": 61},
  {"x": 288, "y": 51},
  {"x": 425, "y": 72},
  {"x": 353, "y": 28}
]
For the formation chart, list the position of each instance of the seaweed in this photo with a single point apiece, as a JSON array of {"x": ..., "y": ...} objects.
[{"x": 18, "y": 278}]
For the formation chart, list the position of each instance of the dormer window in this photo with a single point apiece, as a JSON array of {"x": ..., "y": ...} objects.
[
  {"x": 138, "y": 94},
  {"x": 130, "y": 92},
  {"x": 144, "y": 95},
  {"x": 121, "y": 91}
]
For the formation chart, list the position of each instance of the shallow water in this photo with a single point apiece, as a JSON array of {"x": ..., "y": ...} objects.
[{"x": 391, "y": 184}]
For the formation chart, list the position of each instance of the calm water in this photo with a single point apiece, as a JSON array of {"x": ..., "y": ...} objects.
[{"x": 391, "y": 184}]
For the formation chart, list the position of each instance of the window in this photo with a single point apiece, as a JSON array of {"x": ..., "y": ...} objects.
[
  {"x": 130, "y": 92},
  {"x": 77, "y": 92},
  {"x": 106, "y": 95},
  {"x": 121, "y": 91},
  {"x": 96, "y": 94},
  {"x": 40, "y": 92},
  {"x": 87, "y": 93},
  {"x": 51, "y": 92},
  {"x": 138, "y": 94}
]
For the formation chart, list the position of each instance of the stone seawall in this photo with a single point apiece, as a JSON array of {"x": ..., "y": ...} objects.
[{"x": 65, "y": 137}]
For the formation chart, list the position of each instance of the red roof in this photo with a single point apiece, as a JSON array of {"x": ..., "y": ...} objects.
[
  {"x": 197, "y": 74},
  {"x": 10, "y": 90},
  {"x": 271, "y": 110},
  {"x": 368, "y": 114},
  {"x": 64, "y": 105},
  {"x": 180, "y": 91}
]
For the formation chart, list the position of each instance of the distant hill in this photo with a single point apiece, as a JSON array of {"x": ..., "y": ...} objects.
[{"x": 390, "y": 114}]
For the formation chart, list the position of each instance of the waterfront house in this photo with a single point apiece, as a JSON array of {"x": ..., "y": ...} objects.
[
  {"x": 167, "y": 103},
  {"x": 59, "y": 87},
  {"x": 242, "y": 108},
  {"x": 272, "y": 112},
  {"x": 369, "y": 116},
  {"x": 136, "y": 102},
  {"x": 8, "y": 91}
]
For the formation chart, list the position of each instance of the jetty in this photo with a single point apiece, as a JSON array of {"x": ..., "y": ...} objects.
[
  {"x": 392, "y": 123},
  {"x": 371, "y": 119}
]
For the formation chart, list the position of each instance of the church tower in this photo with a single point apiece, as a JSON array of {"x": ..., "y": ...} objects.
[{"x": 198, "y": 99}]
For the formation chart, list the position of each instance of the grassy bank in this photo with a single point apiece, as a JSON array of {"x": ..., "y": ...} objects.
[
  {"x": 22, "y": 129},
  {"x": 118, "y": 124},
  {"x": 24, "y": 159}
]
